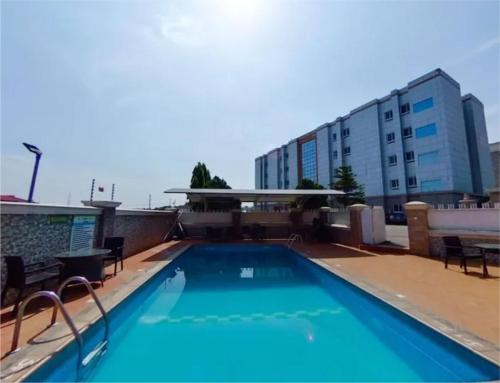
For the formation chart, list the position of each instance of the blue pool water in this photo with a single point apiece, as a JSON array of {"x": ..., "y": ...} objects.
[{"x": 264, "y": 313}]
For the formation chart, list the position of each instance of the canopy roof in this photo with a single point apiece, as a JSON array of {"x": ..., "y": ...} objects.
[{"x": 253, "y": 195}]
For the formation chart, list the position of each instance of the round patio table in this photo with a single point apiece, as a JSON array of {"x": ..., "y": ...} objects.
[
  {"x": 487, "y": 248},
  {"x": 85, "y": 263}
]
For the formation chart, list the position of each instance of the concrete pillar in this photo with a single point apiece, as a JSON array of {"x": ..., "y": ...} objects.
[
  {"x": 418, "y": 227},
  {"x": 106, "y": 221},
  {"x": 236, "y": 223},
  {"x": 356, "y": 223}
]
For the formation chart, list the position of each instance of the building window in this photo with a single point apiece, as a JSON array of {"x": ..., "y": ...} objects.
[
  {"x": 405, "y": 108},
  {"x": 412, "y": 182},
  {"x": 397, "y": 207},
  {"x": 346, "y": 132},
  {"x": 429, "y": 158},
  {"x": 410, "y": 156},
  {"x": 388, "y": 115},
  {"x": 347, "y": 151},
  {"x": 335, "y": 154},
  {"x": 309, "y": 160},
  {"x": 393, "y": 160},
  {"x": 426, "y": 131},
  {"x": 334, "y": 137},
  {"x": 391, "y": 137},
  {"x": 395, "y": 184},
  {"x": 423, "y": 105},
  {"x": 430, "y": 185},
  {"x": 407, "y": 132}
]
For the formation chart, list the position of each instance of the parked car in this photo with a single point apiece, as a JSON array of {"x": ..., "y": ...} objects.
[{"x": 396, "y": 218}]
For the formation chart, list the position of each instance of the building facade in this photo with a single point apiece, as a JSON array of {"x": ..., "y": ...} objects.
[
  {"x": 495, "y": 159},
  {"x": 422, "y": 142}
]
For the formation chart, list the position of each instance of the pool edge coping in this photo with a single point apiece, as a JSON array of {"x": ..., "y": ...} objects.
[
  {"x": 457, "y": 334},
  {"x": 20, "y": 366}
]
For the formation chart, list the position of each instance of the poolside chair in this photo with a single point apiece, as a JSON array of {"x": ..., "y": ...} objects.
[
  {"x": 214, "y": 233},
  {"x": 115, "y": 244},
  {"x": 258, "y": 232},
  {"x": 454, "y": 249},
  {"x": 22, "y": 275}
]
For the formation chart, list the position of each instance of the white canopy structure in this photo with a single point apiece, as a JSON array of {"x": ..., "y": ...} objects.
[{"x": 253, "y": 195}]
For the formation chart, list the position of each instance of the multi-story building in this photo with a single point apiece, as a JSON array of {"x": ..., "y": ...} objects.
[
  {"x": 495, "y": 159},
  {"x": 422, "y": 142}
]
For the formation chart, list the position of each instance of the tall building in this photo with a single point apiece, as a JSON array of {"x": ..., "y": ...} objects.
[
  {"x": 422, "y": 142},
  {"x": 495, "y": 159}
]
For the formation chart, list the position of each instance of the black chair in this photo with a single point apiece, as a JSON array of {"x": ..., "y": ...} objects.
[
  {"x": 115, "y": 244},
  {"x": 258, "y": 232},
  {"x": 214, "y": 233},
  {"x": 454, "y": 249},
  {"x": 21, "y": 275}
]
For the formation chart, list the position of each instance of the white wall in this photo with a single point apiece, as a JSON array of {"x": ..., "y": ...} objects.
[
  {"x": 465, "y": 219},
  {"x": 206, "y": 218}
]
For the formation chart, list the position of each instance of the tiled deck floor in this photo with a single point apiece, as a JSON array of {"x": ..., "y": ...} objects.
[{"x": 468, "y": 301}]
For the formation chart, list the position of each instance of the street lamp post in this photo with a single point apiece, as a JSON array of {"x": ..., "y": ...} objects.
[{"x": 38, "y": 155}]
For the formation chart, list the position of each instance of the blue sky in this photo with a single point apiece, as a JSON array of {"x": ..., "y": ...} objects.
[{"x": 135, "y": 93}]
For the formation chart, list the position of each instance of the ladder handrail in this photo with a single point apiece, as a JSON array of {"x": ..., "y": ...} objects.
[
  {"x": 91, "y": 291},
  {"x": 292, "y": 239},
  {"x": 57, "y": 302}
]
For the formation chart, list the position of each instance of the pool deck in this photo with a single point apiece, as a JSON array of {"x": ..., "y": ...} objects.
[{"x": 468, "y": 305}]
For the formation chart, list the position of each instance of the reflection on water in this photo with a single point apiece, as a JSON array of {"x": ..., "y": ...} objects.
[{"x": 220, "y": 267}]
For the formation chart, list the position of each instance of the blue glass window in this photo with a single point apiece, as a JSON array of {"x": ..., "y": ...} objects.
[
  {"x": 423, "y": 105},
  {"x": 430, "y": 185},
  {"x": 426, "y": 130},
  {"x": 428, "y": 158},
  {"x": 309, "y": 160}
]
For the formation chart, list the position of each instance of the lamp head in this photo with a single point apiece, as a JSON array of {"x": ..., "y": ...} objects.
[{"x": 32, "y": 149}]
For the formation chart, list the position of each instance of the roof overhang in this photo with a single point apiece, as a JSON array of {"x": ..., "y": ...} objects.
[{"x": 253, "y": 195}]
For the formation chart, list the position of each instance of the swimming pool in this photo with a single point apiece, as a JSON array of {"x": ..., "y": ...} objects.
[{"x": 263, "y": 313}]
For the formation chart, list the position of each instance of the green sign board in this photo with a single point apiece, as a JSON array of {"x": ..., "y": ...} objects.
[{"x": 59, "y": 219}]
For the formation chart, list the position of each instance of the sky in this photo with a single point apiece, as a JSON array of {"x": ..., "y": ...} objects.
[{"x": 135, "y": 93}]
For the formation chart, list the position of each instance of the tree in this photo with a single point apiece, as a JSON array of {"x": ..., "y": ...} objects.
[
  {"x": 346, "y": 182},
  {"x": 200, "y": 177},
  {"x": 314, "y": 202},
  {"x": 217, "y": 183}
]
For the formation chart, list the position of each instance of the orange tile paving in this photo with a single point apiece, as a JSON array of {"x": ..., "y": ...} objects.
[{"x": 469, "y": 301}]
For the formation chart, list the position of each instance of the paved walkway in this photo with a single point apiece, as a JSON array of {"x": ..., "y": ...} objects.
[{"x": 468, "y": 301}]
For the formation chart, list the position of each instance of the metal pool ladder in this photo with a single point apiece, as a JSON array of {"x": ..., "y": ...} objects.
[
  {"x": 58, "y": 304},
  {"x": 292, "y": 239}
]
